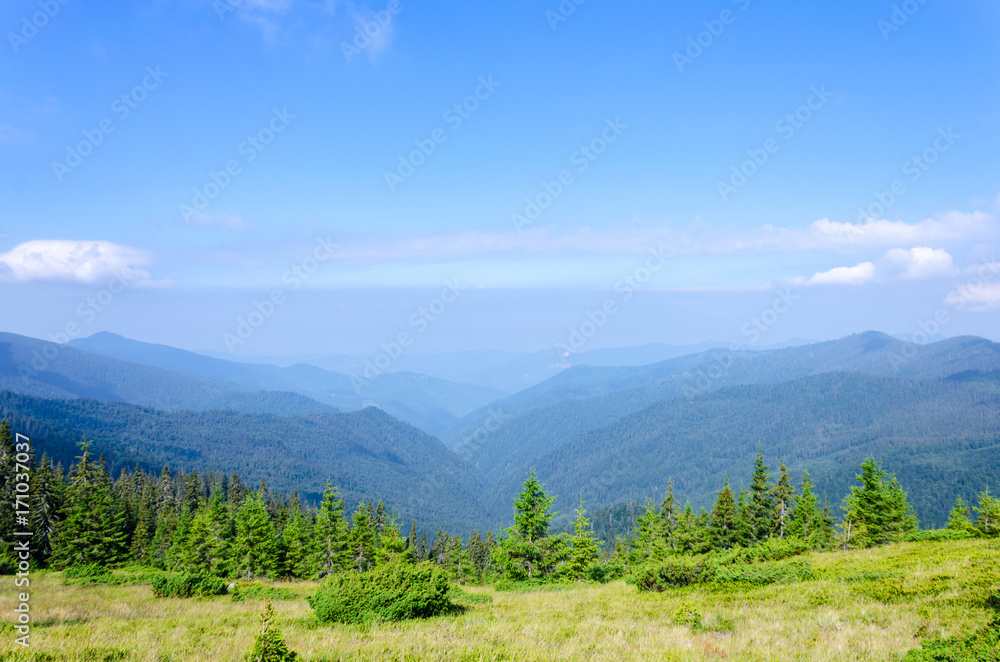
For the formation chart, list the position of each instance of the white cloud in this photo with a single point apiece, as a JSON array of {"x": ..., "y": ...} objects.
[
  {"x": 74, "y": 261},
  {"x": 821, "y": 235},
  {"x": 920, "y": 263},
  {"x": 855, "y": 275},
  {"x": 976, "y": 297}
]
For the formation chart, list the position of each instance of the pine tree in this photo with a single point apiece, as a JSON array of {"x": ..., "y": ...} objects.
[
  {"x": 531, "y": 510},
  {"x": 670, "y": 514},
  {"x": 140, "y": 549},
  {"x": 361, "y": 540},
  {"x": 296, "y": 538},
  {"x": 411, "y": 540},
  {"x": 650, "y": 541},
  {"x": 254, "y": 548},
  {"x": 876, "y": 512},
  {"x": 208, "y": 540},
  {"x": 269, "y": 644},
  {"x": 805, "y": 522},
  {"x": 423, "y": 550},
  {"x": 744, "y": 520},
  {"x": 330, "y": 536},
  {"x": 439, "y": 548},
  {"x": 8, "y": 559},
  {"x": 760, "y": 504},
  {"x": 529, "y": 552},
  {"x": 586, "y": 547},
  {"x": 724, "y": 521},
  {"x": 988, "y": 515},
  {"x": 92, "y": 527},
  {"x": 784, "y": 500},
  {"x": 959, "y": 518},
  {"x": 46, "y": 502}
]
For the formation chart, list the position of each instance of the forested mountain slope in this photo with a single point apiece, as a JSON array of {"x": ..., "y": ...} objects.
[
  {"x": 367, "y": 453},
  {"x": 430, "y": 404},
  {"x": 940, "y": 437},
  {"x": 44, "y": 369}
]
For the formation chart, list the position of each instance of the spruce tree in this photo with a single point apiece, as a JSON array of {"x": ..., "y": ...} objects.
[
  {"x": 784, "y": 500},
  {"x": 724, "y": 522},
  {"x": 528, "y": 552},
  {"x": 92, "y": 527},
  {"x": 760, "y": 503},
  {"x": 531, "y": 510},
  {"x": 650, "y": 541},
  {"x": 361, "y": 540},
  {"x": 988, "y": 515},
  {"x": 329, "y": 543},
  {"x": 254, "y": 548},
  {"x": 959, "y": 518},
  {"x": 296, "y": 538},
  {"x": 876, "y": 512},
  {"x": 586, "y": 547},
  {"x": 805, "y": 522},
  {"x": 269, "y": 644},
  {"x": 670, "y": 514},
  {"x": 46, "y": 502}
]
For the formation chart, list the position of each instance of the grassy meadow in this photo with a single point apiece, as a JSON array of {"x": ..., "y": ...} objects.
[{"x": 871, "y": 604}]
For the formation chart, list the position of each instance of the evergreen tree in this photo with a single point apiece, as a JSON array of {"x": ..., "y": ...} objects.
[
  {"x": 724, "y": 526},
  {"x": 529, "y": 552},
  {"x": 744, "y": 520},
  {"x": 361, "y": 540},
  {"x": 329, "y": 554},
  {"x": 784, "y": 500},
  {"x": 806, "y": 519},
  {"x": 439, "y": 548},
  {"x": 140, "y": 547},
  {"x": 46, "y": 502},
  {"x": 650, "y": 541},
  {"x": 254, "y": 548},
  {"x": 208, "y": 540},
  {"x": 670, "y": 514},
  {"x": 296, "y": 540},
  {"x": 760, "y": 504},
  {"x": 531, "y": 510},
  {"x": 411, "y": 540},
  {"x": 586, "y": 547},
  {"x": 876, "y": 512},
  {"x": 423, "y": 550},
  {"x": 988, "y": 515},
  {"x": 959, "y": 518},
  {"x": 269, "y": 644},
  {"x": 92, "y": 526}
]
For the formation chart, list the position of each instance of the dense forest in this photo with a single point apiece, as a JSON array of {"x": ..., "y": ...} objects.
[{"x": 216, "y": 525}]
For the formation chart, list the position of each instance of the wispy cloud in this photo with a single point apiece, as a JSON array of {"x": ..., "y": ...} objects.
[
  {"x": 921, "y": 263},
  {"x": 87, "y": 262}
]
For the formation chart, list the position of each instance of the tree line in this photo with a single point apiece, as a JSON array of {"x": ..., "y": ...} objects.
[{"x": 214, "y": 524}]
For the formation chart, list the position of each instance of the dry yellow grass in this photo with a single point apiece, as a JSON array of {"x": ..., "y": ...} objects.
[{"x": 822, "y": 619}]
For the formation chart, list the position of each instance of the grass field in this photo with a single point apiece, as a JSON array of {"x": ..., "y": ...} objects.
[{"x": 861, "y": 605}]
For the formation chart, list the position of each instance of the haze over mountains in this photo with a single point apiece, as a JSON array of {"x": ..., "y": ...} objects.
[{"x": 614, "y": 430}]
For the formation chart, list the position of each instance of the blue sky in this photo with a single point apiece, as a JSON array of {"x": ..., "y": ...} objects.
[{"x": 211, "y": 84}]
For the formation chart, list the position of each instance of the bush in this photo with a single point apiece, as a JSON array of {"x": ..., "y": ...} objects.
[
  {"x": 187, "y": 586},
  {"x": 671, "y": 574},
  {"x": 391, "y": 592},
  {"x": 939, "y": 535},
  {"x": 603, "y": 573},
  {"x": 983, "y": 645},
  {"x": 763, "y": 574},
  {"x": 258, "y": 591},
  {"x": 772, "y": 549},
  {"x": 88, "y": 571}
]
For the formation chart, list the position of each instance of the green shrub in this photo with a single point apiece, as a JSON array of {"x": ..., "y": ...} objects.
[
  {"x": 258, "y": 591},
  {"x": 85, "y": 571},
  {"x": 687, "y": 616},
  {"x": 169, "y": 585},
  {"x": 603, "y": 573},
  {"x": 391, "y": 592},
  {"x": 772, "y": 549},
  {"x": 764, "y": 573},
  {"x": 983, "y": 645},
  {"x": 938, "y": 535},
  {"x": 677, "y": 572}
]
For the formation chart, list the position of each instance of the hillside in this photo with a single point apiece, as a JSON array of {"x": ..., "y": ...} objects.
[
  {"x": 429, "y": 403},
  {"x": 940, "y": 437},
  {"x": 43, "y": 369},
  {"x": 367, "y": 453},
  {"x": 540, "y": 419}
]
